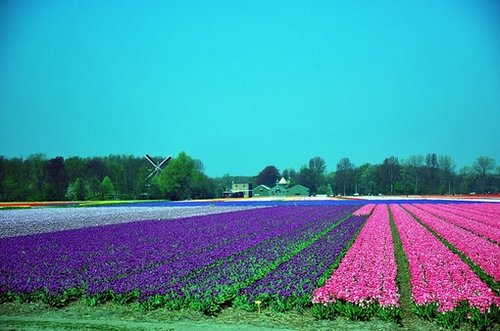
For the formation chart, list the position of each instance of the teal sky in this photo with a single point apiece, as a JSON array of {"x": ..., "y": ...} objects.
[{"x": 245, "y": 84}]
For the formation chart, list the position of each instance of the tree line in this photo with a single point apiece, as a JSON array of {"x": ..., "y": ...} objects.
[{"x": 38, "y": 178}]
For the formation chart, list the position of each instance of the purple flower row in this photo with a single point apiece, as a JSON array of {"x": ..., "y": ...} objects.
[
  {"x": 90, "y": 256},
  {"x": 145, "y": 255},
  {"x": 299, "y": 276},
  {"x": 19, "y": 222},
  {"x": 230, "y": 275}
]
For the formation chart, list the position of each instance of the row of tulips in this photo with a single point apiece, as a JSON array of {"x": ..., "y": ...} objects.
[
  {"x": 365, "y": 210},
  {"x": 438, "y": 277},
  {"x": 492, "y": 209},
  {"x": 490, "y": 232},
  {"x": 292, "y": 283},
  {"x": 367, "y": 274},
  {"x": 148, "y": 258},
  {"x": 487, "y": 213},
  {"x": 482, "y": 252},
  {"x": 221, "y": 282},
  {"x": 204, "y": 245},
  {"x": 21, "y": 222},
  {"x": 92, "y": 256}
]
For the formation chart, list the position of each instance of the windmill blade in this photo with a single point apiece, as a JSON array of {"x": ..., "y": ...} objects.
[
  {"x": 157, "y": 166},
  {"x": 164, "y": 161},
  {"x": 151, "y": 174},
  {"x": 150, "y": 159}
]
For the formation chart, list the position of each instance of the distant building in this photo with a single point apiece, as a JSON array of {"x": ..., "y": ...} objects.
[
  {"x": 281, "y": 189},
  {"x": 298, "y": 190},
  {"x": 278, "y": 190},
  {"x": 242, "y": 190},
  {"x": 283, "y": 182},
  {"x": 261, "y": 191}
]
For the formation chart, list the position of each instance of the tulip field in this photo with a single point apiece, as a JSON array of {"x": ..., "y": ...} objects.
[{"x": 344, "y": 259}]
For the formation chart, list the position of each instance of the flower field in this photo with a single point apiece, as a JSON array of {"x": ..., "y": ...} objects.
[
  {"x": 338, "y": 260},
  {"x": 443, "y": 286},
  {"x": 199, "y": 260},
  {"x": 39, "y": 220},
  {"x": 438, "y": 276},
  {"x": 484, "y": 253},
  {"x": 367, "y": 274}
]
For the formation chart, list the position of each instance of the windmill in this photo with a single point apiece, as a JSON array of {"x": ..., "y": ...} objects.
[{"x": 157, "y": 166}]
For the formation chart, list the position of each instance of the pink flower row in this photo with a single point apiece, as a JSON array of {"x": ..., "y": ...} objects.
[
  {"x": 483, "y": 252},
  {"x": 489, "y": 208},
  {"x": 437, "y": 275},
  {"x": 484, "y": 212},
  {"x": 365, "y": 210},
  {"x": 479, "y": 228},
  {"x": 367, "y": 274}
]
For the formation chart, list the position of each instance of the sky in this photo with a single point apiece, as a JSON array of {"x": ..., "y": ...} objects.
[{"x": 245, "y": 84}]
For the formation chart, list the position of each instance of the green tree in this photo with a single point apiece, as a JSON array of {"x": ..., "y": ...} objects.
[
  {"x": 313, "y": 176},
  {"x": 414, "y": 165},
  {"x": 116, "y": 173},
  {"x": 483, "y": 167},
  {"x": 366, "y": 177},
  {"x": 465, "y": 180},
  {"x": 93, "y": 189},
  {"x": 108, "y": 189},
  {"x": 3, "y": 163},
  {"x": 306, "y": 177},
  {"x": 55, "y": 179},
  {"x": 317, "y": 164},
  {"x": 35, "y": 171},
  {"x": 76, "y": 190},
  {"x": 202, "y": 186},
  {"x": 345, "y": 170},
  {"x": 268, "y": 176},
  {"x": 447, "y": 167},
  {"x": 432, "y": 169},
  {"x": 13, "y": 187},
  {"x": 95, "y": 167},
  {"x": 183, "y": 179},
  {"x": 74, "y": 167},
  {"x": 389, "y": 172}
]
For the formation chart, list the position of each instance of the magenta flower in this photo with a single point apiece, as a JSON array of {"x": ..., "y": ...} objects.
[
  {"x": 367, "y": 274},
  {"x": 437, "y": 275},
  {"x": 365, "y": 210},
  {"x": 481, "y": 251}
]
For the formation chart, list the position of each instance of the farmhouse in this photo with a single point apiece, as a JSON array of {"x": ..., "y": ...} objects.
[
  {"x": 298, "y": 190},
  {"x": 261, "y": 191},
  {"x": 278, "y": 190},
  {"x": 242, "y": 190},
  {"x": 281, "y": 189}
]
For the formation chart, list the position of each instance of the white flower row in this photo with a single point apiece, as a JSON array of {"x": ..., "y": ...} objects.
[{"x": 17, "y": 222}]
